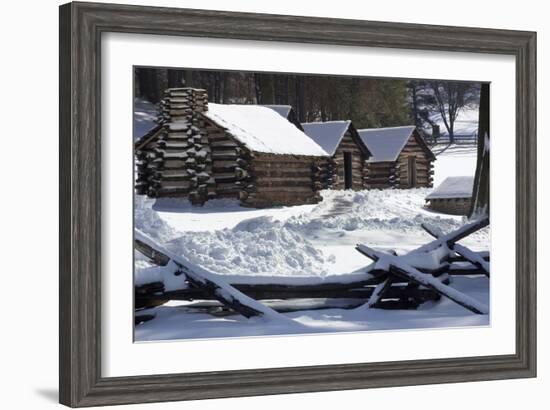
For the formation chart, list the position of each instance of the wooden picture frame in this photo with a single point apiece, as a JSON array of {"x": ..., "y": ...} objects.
[{"x": 81, "y": 27}]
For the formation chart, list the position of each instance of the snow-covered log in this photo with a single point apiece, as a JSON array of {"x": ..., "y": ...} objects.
[
  {"x": 209, "y": 283},
  {"x": 268, "y": 292},
  {"x": 466, "y": 253},
  {"x": 398, "y": 267},
  {"x": 378, "y": 292},
  {"x": 451, "y": 238}
]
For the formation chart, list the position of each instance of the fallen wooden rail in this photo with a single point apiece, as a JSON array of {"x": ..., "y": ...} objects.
[
  {"x": 466, "y": 253},
  {"x": 392, "y": 282},
  {"x": 207, "y": 283},
  {"x": 265, "y": 292},
  {"x": 398, "y": 267}
]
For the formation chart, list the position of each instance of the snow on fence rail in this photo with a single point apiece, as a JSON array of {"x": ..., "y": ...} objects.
[
  {"x": 211, "y": 285},
  {"x": 391, "y": 282}
]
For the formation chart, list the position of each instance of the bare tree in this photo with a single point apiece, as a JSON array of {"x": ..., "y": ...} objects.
[
  {"x": 444, "y": 98},
  {"x": 448, "y": 98}
]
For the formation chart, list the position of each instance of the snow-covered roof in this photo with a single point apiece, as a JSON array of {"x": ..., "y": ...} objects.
[
  {"x": 282, "y": 110},
  {"x": 453, "y": 187},
  {"x": 262, "y": 129},
  {"x": 385, "y": 144},
  {"x": 327, "y": 134}
]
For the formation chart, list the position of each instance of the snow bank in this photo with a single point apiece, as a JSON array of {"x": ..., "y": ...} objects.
[
  {"x": 254, "y": 246},
  {"x": 212, "y": 281},
  {"x": 149, "y": 222},
  {"x": 316, "y": 242},
  {"x": 395, "y": 210}
]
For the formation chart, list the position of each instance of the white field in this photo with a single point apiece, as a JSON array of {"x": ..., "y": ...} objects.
[{"x": 302, "y": 241}]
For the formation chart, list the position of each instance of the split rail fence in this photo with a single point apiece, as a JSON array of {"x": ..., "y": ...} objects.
[{"x": 391, "y": 282}]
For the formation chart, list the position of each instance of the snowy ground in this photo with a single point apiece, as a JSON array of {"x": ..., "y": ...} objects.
[
  {"x": 465, "y": 125},
  {"x": 457, "y": 160},
  {"x": 302, "y": 241},
  {"x": 145, "y": 114}
]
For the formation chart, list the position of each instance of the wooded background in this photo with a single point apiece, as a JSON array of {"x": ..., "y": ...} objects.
[{"x": 368, "y": 102}]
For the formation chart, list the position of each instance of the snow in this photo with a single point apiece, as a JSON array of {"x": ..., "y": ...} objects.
[
  {"x": 201, "y": 275},
  {"x": 385, "y": 144},
  {"x": 215, "y": 214},
  {"x": 454, "y": 187},
  {"x": 456, "y": 160},
  {"x": 472, "y": 256},
  {"x": 262, "y": 129},
  {"x": 254, "y": 246},
  {"x": 145, "y": 114},
  {"x": 164, "y": 274},
  {"x": 326, "y": 134},
  {"x": 282, "y": 110},
  {"x": 305, "y": 245},
  {"x": 176, "y": 321},
  {"x": 465, "y": 125},
  {"x": 430, "y": 281},
  {"x": 232, "y": 240}
]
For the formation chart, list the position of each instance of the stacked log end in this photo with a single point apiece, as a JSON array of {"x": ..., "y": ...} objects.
[
  {"x": 182, "y": 165},
  {"x": 324, "y": 173},
  {"x": 144, "y": 173},
  {"x": 245, "y": 176}
]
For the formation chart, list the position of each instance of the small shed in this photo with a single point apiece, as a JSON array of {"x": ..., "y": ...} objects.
[
  {"x": 400, "y": 158},
  {"x": 453, "y": 196},
  {"x": 202, "y": 151},
  {"x": 346, "y": 149}
]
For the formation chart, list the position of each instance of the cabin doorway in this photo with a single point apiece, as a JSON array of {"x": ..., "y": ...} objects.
[
  {"x": 411, "y": 172},
  {"x": 347, "y": 171}
]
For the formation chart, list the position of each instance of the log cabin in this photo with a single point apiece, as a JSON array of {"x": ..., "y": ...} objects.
[
  {"x": 400, "y": 158},
  {"x": 347, "y": 151},
  {"x": 453, "y": 196},
  {"x": 202, "y": 151}
]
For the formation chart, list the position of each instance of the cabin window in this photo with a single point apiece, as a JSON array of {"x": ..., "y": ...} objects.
[
  {"x": 412, "y": 172},
  {"x": 348, "y": 176}
]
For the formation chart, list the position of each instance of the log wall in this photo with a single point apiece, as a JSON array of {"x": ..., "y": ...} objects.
[
  {"x": 225, "y": 153},
  {"x": 379, "y": 175},
  {"x": 424, "y": 166},
  {"x": 276, "y": 179},
  {"x": 383, "y": 175},
  {"x": 144, "y": 156},
  {"x": 190, "y": 156},
  {"x": 357, "y": 160},
  {"x": 452, "y": 206}
]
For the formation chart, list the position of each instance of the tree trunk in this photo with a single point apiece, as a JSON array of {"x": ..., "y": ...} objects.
[
  {"x": 480, "y": 194},
  {"x": 415, "y": 113},
  {"x": 188, "y": 78},
  {"x": 258, "y": 88},
  {"x": 299, "y": 105}
]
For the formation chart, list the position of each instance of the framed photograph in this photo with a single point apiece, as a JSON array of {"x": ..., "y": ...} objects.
[{"x": 259, "y": 204}]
